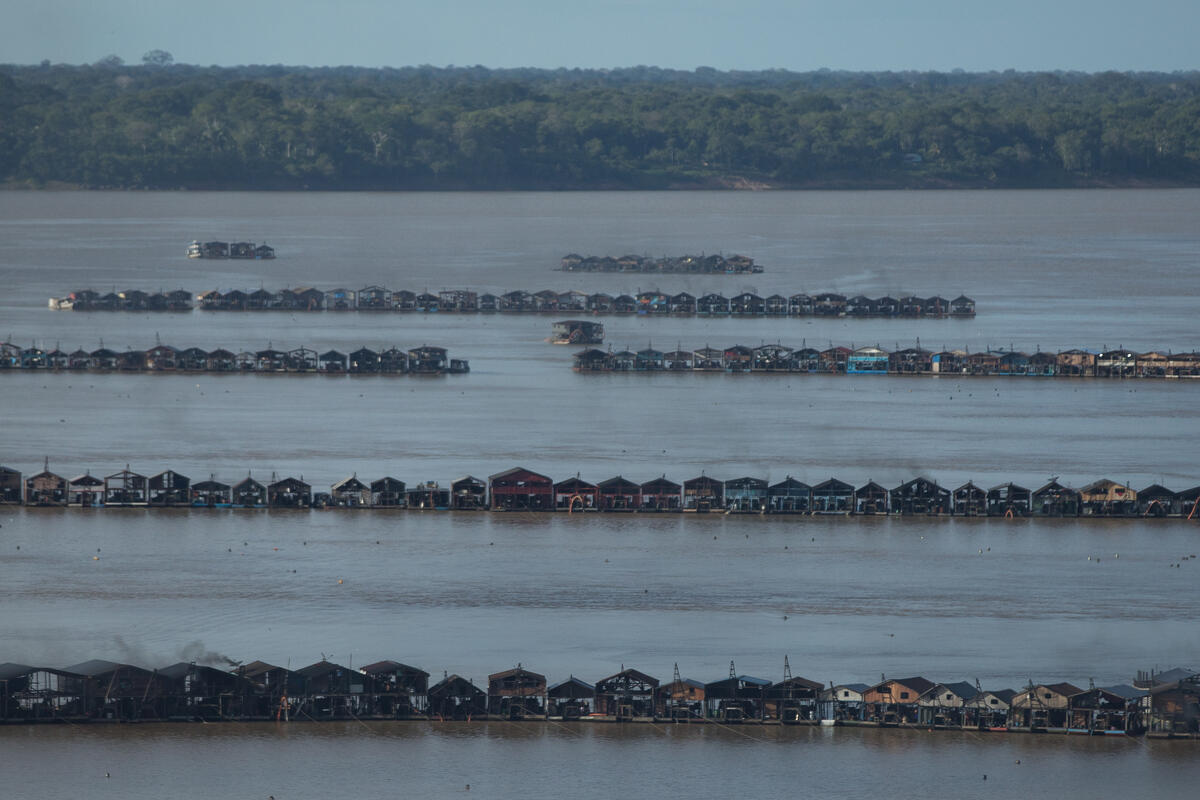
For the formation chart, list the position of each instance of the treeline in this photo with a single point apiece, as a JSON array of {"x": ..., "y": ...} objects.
[{"x": 274, "y": 127}]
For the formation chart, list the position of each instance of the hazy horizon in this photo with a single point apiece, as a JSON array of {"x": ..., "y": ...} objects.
[{"x": 801, "y": 36}]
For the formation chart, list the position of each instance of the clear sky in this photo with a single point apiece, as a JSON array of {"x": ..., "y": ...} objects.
[{"x": 1089, "y": 35}]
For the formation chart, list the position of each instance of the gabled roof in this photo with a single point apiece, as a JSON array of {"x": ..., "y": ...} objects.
[
  {"x": 916, "y": 683},
  {"x": 320, "y": 668},
  {"x": 516, "y": 672},
  {"x": 1125, "y": 690},
  {"x": 619, "y": 483},
  {"x": 95, "y": 667},
  {"x": 455, "y": 686},
  {"x": 9, "y": 670},
  {"x": 963, "y": 689},
  {"x": 508, "y": 473},
  {"x": 381, "y": 667},
  {"x": 572, "y": 687},
  {"x": 256, "y": 668},
  {"x": 632, "y": 675},
  {"x": 351, "y": 484}
]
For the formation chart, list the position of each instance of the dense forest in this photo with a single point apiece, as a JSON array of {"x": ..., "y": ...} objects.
[{"x": 164, "y": 125}]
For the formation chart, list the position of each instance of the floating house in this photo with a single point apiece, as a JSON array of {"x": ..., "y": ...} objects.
[
  {"x": 402, "y": 690},
  {"x": 1158, "y": 501},
  {"x": 33, "y": 694},
  {"x": 1173, "y": 708},
  {"x": 592, "y": 360},
  {"x": 793, "y": 699},
  {"x": 871, "y": 498},
  {"x": 570, "y": 699},
  {"x": 428, "y": 496},
  {"x": 126, "y": 488},
  {"x": 988, "y": 710},
  {"x": 919, "y": 496},
  {"x": 708, "y": 359},
  {"x": 895, "y": 701},
  {"x": 468, "y": 493},
  {"x": 197, "y": 692},
  {"x": 388, "y": 493},
  {"x": 85, "y": 491},
  {"x": 1055, "y": 500},
  {"x": 712, "y": 304},
  {"x": 681, "y": 699},
  {"x": 944, "y": 706},
  {"x": 289, "y": 493},
  {"x": 576, "y": 331},
  {"x": 771, "y": 358},
  {"x": 832, "y": 497},
  {"x": 119, "y": 692},
  {"x": 969, "y": 500},
  {"x": 660, "y": 494},
  {"x": 169, "y": 488},
  {"x": 867, "y": 361},
  {"x": 332, "y": 691},
  {"x": 737, "y": 698},
  {"x": 272, "y": 689},
  {"x": 10, "y": 487},
  {"x": 455, "y": 697},
  {"x": 703, "y": 494},
  {"x": 789, "y": 496},
  {"x": 1042, "y": 707},
  {"x": 619, "y": 494},
  {"x": 682, "y": 303},
  {"x": 738, "y": 358},
  {"x": 1105, "y": 498},
  {"x": 1009, "y": 499},
  {"x": 678, "y": 360},
  {"x": 350, "y": 493},
  {"x": 374, "y": 298},
  {"x": 517, "y": 694},
  {"x": 842, "y": 702},
  {"x": 520, "y": 489},
  {"x": 211, "y": 493},
  {"x": 1109, "y": 710},
  {"x": 249, "y": 493},
  {"x": 332, "y": 362},
  {"x": 746, "y": 495},
  {"x": 627, "y": 695}
]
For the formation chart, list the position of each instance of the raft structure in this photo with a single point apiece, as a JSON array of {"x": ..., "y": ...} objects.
[
  {"x": 463, "y": 301},
  {"x": 687, "y": 265},
  {"x": 423, "y": 360},
  {"x": 1158, "y": 705},
  {"x": 874, "y": 360},
  {"x": 523, "y": 490}
]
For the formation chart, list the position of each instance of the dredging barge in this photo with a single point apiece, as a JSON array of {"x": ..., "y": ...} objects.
[
  {"x": 1159, "y": 705},
  {"x": 523, "y": 490}
]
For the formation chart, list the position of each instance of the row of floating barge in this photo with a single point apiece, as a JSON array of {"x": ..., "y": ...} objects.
[
  {"x": 654, "y": 303},
  {"x": 874, "y": 360},
  {"x": 424, "y": 360},
  {"x": 245, "y": 250},
  {"x": 1159, "y": 705},
  {"x": 687, "y": 265},
  {"x": 520, "y": 489}
]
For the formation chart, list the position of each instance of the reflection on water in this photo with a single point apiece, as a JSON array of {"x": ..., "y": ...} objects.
[{"x": 538, "y": 760}]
